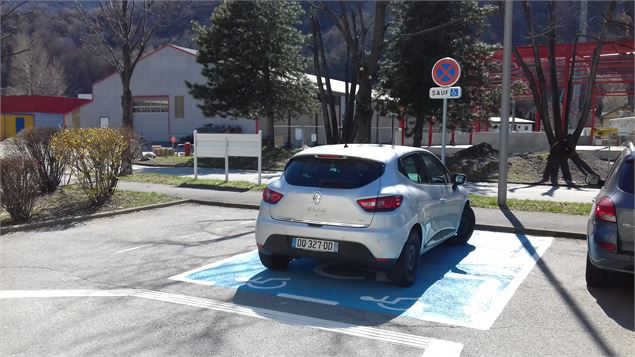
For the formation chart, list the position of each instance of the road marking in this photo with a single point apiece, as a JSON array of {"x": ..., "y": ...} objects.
[
  {"x": 131, "y": 249},
  {"x": 435, "y": 346},
  {"x": 309, "y": 299}
]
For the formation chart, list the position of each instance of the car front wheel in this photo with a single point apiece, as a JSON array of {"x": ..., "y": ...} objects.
[
  {"x": 404, "y": 273},
  {"x": 466, "y": 226}
]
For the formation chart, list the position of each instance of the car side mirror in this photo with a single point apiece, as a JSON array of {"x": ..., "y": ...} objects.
[
  {"x": 593, "y": 180},
  {"x": 458, "y": 179}
]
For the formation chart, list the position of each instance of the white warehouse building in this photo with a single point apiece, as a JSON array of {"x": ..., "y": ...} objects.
[{"x": 162, "y": 104}]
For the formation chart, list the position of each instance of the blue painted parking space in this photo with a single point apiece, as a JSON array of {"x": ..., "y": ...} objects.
[{"x": 465, "y": 285}]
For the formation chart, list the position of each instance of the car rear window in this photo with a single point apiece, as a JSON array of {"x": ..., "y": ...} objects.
[
  {"x": 332, "y": 172},
  {"x": 625, "y": 181}
]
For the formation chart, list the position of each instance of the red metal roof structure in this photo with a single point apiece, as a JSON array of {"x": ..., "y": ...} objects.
[
  {"x": 39, "y": 104},
  {"x": 616, "y": 66}
]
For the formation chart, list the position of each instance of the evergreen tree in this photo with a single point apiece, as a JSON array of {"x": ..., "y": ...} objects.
[
  {"x": 406, "y": 71},
  {"x": 251, "y": 59}
]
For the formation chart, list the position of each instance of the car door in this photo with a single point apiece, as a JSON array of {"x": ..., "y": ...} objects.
[
  {"x": 426, "y": 195},
  {"x": 450, "y": 200}
]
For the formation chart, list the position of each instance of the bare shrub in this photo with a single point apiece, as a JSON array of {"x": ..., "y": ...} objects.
[
  {"x": 19, "y": 186},
  {"x": 36, "y": 142},
  {"x": 95, "y": 157}
]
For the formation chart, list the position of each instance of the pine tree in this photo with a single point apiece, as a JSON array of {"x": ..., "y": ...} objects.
[
  {"x": 251, "y": 59},
  {"x": 406, "y": 72}
]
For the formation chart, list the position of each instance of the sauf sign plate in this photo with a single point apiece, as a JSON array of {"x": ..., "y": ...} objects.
[{"x": 445, "y": 92}]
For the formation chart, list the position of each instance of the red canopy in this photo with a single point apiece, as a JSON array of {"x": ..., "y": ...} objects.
[{"x": 39, "y": 104}]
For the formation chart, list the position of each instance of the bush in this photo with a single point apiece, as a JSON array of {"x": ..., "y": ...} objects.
[
  {"x": 132, "y": 152},
  {"x": 95, "y": 158},
  {"x": 19, "y": 186},
  {"x": 36, "y": 142}
]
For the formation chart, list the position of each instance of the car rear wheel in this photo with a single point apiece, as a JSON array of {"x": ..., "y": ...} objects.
[
  {"x": 594, "y": 275},
  {"x": 404, "y": 273},
  {"x": 273, "y": 261},
  {"x": 466, "y": 226}
]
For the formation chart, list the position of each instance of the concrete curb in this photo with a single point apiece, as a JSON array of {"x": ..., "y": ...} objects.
[
  {"x": 51, "y": 223},
  {"x": 75, "y": 219},
  {"x": 531, "y": 231}
]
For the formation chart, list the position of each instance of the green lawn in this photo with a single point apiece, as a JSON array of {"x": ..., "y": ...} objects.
[
  {"x": 174, "y": 180},
  {"x": 69, "y": 201},
  {"x": 574, "y": 208}
]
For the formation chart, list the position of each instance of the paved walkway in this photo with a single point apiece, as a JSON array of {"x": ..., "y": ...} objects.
[
  {"x": 517, "y": 191},
  {"x": 495, "y": 219}
]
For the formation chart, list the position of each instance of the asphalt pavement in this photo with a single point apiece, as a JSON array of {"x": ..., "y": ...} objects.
[{"x": 106, "y": 287}]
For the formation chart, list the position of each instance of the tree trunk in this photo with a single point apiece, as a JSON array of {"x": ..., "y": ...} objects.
[
  {"x": 126, "y": 102},
  {"x": 418, "y": 130},
  {"x": 363, "y": 107},
  {"x": 270, "y": 140}
]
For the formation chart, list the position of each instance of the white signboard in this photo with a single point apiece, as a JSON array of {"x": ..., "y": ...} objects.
[
  {"x": 226, "y": 145},
  {"x": 445, "y": 92}
]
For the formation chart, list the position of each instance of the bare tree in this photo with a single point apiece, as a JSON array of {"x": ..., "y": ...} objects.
[
  {"x": 545, "y": 91},
  {"x": 121, "y": 31},
  {"x": 33, "y": 71},
  {"x": 9, "y": 18}
]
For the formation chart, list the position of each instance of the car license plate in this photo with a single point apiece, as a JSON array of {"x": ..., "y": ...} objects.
[{"x": 315, "y": 244}]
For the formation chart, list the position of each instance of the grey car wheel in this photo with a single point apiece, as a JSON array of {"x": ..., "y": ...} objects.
[
  {"x": 466, "y": 226},
  {"x": 404, "y": 273},
  {"x": 273, "y": 261},
  {"x": 594, "y": 275}
]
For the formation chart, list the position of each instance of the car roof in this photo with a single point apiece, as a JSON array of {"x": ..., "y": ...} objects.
[{"x": 376, "y": 152}]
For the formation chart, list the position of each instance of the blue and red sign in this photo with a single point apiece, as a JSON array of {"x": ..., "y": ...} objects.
[{"x": 446, "y": 72}]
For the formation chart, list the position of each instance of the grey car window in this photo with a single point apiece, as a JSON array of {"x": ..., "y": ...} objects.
[
  {"x": 409, "y": 167},
  {"x": 625, "y": 181},
  {"x": 435, "y": 169}
]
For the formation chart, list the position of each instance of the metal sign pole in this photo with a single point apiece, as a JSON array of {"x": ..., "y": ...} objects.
[
  {"x": 504, "y": 123},
  {"x": 443, "y": 125}
]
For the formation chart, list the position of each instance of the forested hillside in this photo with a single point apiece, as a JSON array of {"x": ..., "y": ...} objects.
[{"x": 63, "y": 34}]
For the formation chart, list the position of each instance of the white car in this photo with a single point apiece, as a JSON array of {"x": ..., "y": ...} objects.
[{"x": 378, "y": 205}]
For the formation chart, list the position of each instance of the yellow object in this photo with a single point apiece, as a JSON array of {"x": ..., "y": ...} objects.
[
  {"x": 11, "y": 124},
  {"x": 605, "y": 132}
]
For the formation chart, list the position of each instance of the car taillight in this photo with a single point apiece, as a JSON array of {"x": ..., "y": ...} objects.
[
  {"x": 605, "y": 210},
  {"x": 271, "y": 196},
  {"x": 379, "y": 204}
]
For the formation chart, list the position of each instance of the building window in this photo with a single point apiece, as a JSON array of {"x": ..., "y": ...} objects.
[
  {"x": 179, "y": 106},
  {"x": 149, "y": 105}
]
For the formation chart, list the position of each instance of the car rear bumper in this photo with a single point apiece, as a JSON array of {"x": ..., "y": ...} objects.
[
  {"x": 368, "y": 245},
  {"x": 599, "y": 232}
]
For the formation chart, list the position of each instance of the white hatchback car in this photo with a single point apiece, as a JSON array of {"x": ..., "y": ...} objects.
[{"x": 378, "y": 205}]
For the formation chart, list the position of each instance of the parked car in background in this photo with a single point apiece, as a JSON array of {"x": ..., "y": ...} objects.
[
  {"x": 212, "y": 128},
  {"x": 611, "y": 225},
  {"x": 378, "y": 205}
]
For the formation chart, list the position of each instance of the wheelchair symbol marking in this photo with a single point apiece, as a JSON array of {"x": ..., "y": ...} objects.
[
  {"x": 258, "y": 283},
  {"x": 386, "y": 300}
]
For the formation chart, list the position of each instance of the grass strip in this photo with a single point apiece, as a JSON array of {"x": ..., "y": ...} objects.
[
  {"x": 70, "y": 201},
  {"x": 574, "y": 208},
  {"x": 180, "y": 181}
]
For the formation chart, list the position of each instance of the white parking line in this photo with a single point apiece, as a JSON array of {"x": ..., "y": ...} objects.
[
  {"x": 309, "y": 299},
  {"x": 431, "y": 346},
  {"x": 131, "y": 249}
]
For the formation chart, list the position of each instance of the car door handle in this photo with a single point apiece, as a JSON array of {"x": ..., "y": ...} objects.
[{"x": 443, "y": 199}]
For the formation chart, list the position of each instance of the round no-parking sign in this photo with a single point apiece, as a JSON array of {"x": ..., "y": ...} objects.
[{"x": 446, "y": 72}]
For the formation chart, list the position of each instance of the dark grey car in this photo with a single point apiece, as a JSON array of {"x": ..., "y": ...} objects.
[{"x": 611, "y": 225}]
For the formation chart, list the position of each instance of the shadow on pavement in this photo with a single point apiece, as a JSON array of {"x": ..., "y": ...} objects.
[
  {"x": 433, "y": 267},
  {"x": 616, "y": 299},
  {"x": 571, "y": 303}
]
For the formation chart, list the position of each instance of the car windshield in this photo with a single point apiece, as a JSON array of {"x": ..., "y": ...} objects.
[
  {"x": 341, "y": 172},
  {"x": 625, "y": 181}
]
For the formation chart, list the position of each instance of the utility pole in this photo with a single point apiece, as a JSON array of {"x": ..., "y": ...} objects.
[
  {"x": 584, "y": 11},
  {"x": 504, "y": 124}
]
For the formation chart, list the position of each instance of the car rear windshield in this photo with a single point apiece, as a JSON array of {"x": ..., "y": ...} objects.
[
  {"x": 332, "y": 171},
  {"x": 625, "y": 181}
]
